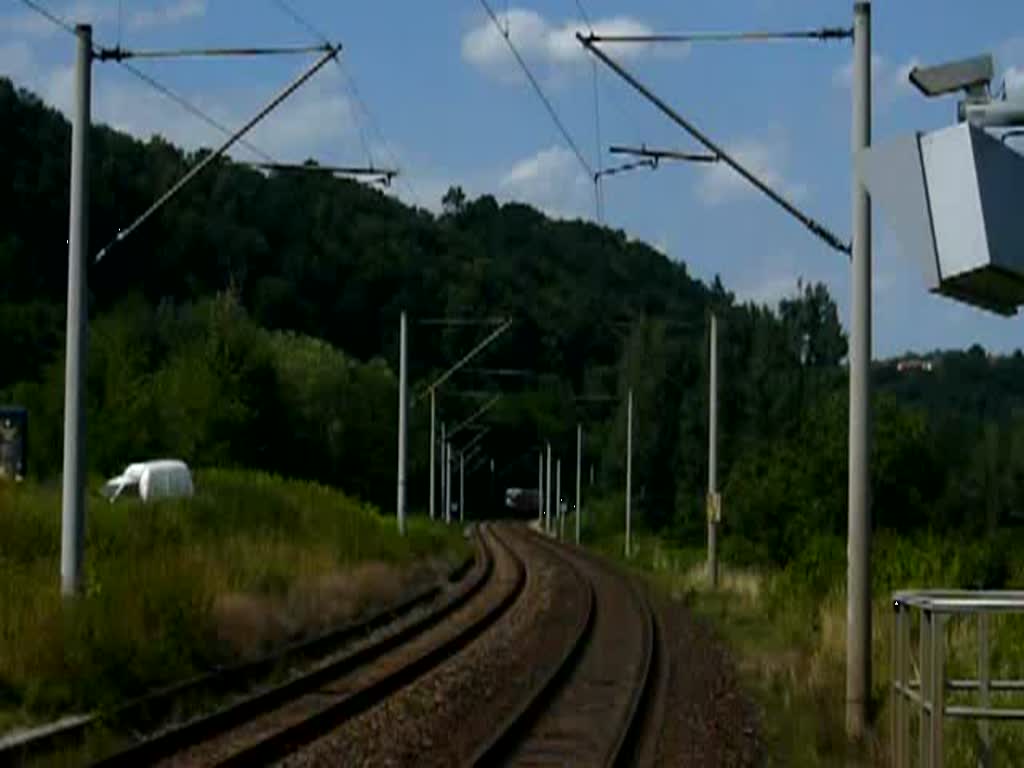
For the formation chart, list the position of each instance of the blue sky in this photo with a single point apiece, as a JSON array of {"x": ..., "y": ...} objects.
[{"x": 437, "y": 93}]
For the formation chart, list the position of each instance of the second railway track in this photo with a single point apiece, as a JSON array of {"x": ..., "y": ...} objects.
[
  {"x": 272, "y": 723},
  {"x": 574, "y": 685}
]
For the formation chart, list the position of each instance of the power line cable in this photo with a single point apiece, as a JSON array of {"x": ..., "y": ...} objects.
[
  {"x": 191, "y": 108},
  {"x": 585, "y": 15},
  {"x": 823, "y": 34},
  {"x": 599, "y": 173},
  {"x": 811, "y": 224},
  {"x": 598, "y": 183},
  {"x": 507, "y": 37},
  {"x": 354, "y": 93},
  {"x": 62, "y": 23},
  {"x": 598, "y": 189},
  {"x": 403, "y": 179},
  {"x": 118, "y": 53},
  {"x": 213, "y": 156},
  {"x": 631, "y": 166},
  {"x": 315, "y": 32},
  {"x": 153, "y": 83}
]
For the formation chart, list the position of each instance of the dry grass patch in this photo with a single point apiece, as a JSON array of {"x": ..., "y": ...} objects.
[{"x": 249, "y": 625}]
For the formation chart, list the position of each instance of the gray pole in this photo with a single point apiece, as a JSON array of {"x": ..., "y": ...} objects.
[
  {"x": 433, "y": 441},
  {"x": 858, "y": 576},
  {"x": 540, "y": 487},
  {"x": 713, "y": 451},
  {"x": 440, "y": 469},
  {"x": 403, "y": 384},
  {"x": 448, "y": 482},
  {"x": 547, "y": 495},
  {"x": 579, "y": 458},
  {"x": 629, "y": 466},
  {"x": 558, "y": 499},
  {"x": 73, "y": 496},
  {"x": 462, "y": 485}
]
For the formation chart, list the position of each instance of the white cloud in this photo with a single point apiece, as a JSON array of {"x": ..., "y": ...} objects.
[
  {"x": 770, "y": 290},
  {"x": 1011, "y": 54},
  {"x": 34, "y": 24},
  {"x": 542, "y": 42},
  {"x": 29, "y": 23},
  {"x": 843, "y": 76},
  {"x": 170, "y": 13},
  {"x": 889, "y": 82},
  {"x": 550, "y": 180},
  {"x": 423, "y": 189},
  {"x": 901, "y": 79},
  {"x": 769, "y": 278},
  {"x": 317, "y": 121},
  {"x": 720, "y": 184}
]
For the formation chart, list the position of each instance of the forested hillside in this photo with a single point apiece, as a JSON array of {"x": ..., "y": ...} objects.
[{"x": 253, "y": 322}]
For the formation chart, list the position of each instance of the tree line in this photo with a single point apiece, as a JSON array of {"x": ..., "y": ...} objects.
[{"x": 254, "y": 322}]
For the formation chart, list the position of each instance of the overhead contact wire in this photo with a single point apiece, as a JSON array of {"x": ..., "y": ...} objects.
[
  {"x": 507, "y": 37},
  {"x": 357, "y": 98}
]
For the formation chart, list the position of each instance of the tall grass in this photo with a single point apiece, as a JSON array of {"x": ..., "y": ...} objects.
[
  {"x": 176, "y": 587},
  {"x": 787, "y": 628}
]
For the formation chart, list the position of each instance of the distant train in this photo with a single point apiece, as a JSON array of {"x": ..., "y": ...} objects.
[{"x": 522, "y": 500}]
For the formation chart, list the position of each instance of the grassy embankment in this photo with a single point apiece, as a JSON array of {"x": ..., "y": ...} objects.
[
  {"x": 173, "y": 588},
  {"x": 787, "y": 629}
]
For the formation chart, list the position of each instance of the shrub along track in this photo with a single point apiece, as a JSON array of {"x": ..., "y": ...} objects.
[
  {"x": 274, "y": 721},
  {"x": 148, "y": 713},
  {"x": 599, "y": 705}
]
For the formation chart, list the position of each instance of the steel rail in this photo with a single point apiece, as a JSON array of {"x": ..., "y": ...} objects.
[
  {"x": 517, "y": 724},
  {"x": 208, "y": 727},
  {"x": 629, "y": 737},
  {"x": 145, "y": 712},
  {"x": 290, "y": 739},
  {"x": 517, "y": 727}
]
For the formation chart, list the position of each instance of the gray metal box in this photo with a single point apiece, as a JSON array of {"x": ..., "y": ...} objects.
[{"x": 955, "y": 199}]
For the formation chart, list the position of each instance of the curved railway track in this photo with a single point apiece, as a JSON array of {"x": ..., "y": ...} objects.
[
  {"x": 272, "y": 723},
  {"x": 588, "y": 700},
  {"x": 591, "y": 708}
]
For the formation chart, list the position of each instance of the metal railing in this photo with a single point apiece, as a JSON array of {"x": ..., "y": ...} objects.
[{"x": 928, "y": 691}]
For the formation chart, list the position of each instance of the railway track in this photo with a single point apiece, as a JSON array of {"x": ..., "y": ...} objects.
[
  {"x": 597, "y": 703},
  {"x": 587, "y": 699},
  {"x": 272, "y": 723}
]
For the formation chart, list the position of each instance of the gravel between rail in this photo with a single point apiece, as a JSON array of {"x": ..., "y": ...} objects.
[
  {"x": 442, "y": 718},
  {"x": 591, "y": 717},
  {"x": 339, "y": 695},
  {"x": 514, "y": 637}
]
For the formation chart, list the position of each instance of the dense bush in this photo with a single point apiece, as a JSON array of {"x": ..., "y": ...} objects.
[
  {"x": 163, "y": 582},
  {"x": 204, "y": 382}
]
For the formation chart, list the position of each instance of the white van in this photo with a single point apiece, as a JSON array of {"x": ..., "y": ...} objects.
[{"x": 151, "y": 480}]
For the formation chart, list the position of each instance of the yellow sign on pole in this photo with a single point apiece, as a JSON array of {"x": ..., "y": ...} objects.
[{"x": 714, "y": 507}]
